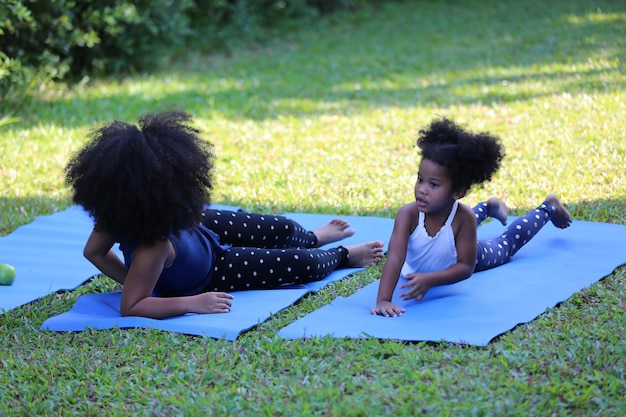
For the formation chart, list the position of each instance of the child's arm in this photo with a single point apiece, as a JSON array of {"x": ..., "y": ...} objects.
[
  {"x": 145, "y": 270},
  {"x": 396, "y": 255},
  {"x": 98, "y": 251},
  {"x": 464, "y": 226}
]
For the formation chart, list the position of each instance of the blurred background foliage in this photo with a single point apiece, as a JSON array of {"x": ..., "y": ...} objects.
[{"x": 47, "y": 41}]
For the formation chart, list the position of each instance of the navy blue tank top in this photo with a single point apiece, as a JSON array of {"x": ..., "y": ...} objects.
[{"x": 190, "y": 273}]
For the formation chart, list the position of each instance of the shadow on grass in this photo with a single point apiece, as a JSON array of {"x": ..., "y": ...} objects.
[
  {"x": 604, "y": 211},
  {"x": 437, "y": 54},
  {"x": 20, "y": 211},
  {"x": 611, "y": 210}
]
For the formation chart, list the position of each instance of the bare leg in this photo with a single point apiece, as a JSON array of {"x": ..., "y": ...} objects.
[
  {"x": 365, "y": 254},
  {"x": 333, "y": 231},
  {"x": 498, "y": 210},
  {"x": 561, "y": 217}
]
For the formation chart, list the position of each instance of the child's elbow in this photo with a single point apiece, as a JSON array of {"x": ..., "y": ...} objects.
[
  {"x": 126, "y": 311},
  {"x": 87, "y": 254},
  {"x": 90, "y": 254},
  {"x": 135, "y": 309},
  {"x": 468, "y": 272}
]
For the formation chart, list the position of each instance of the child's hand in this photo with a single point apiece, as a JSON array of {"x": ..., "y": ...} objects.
[
  {"x": 418, "y": 284},
  {"x": 213, "y": 302},
  {"x": 387, "y": 309}
]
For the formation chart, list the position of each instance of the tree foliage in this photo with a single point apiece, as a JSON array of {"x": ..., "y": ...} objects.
[{"x": 50, "y": 40}]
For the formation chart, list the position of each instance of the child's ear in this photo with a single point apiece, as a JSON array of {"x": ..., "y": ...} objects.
[{"x": 460, "y": 193}]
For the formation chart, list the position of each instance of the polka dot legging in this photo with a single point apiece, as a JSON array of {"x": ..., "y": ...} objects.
[
  {"x": 267, "y": 251},
  {"x": 495, "y": 252}
]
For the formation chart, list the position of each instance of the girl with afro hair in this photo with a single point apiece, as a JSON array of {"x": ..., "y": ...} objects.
[
  {"x": 434, "y": 240},
  {"x": 147, "y": 188}
]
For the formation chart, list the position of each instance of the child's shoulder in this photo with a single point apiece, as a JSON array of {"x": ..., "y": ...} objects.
[
  {"x": 409, "y": 210},
  {"x": 465, "y": 213},
  {"x": 407, "y": 216}
]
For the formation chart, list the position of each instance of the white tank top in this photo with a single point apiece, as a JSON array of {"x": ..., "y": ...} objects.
[{"x": 428, "y": 254}]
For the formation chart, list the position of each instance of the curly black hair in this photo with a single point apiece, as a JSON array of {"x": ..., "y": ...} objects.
[
  {"x": 470, "y": 158},
  {"x": 141, "y": 184}
]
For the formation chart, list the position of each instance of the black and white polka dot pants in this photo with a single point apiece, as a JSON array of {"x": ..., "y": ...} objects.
[
  {"x": 495, "y": 252},
  {"x": 267, "y": 251}
]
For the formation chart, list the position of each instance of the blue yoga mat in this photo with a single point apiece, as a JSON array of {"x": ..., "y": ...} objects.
[
  {"x": 250, "y": 308},
  {"x": 548, "y": 270},
  {"x": 101, "y": 311},
  {"x": 47, "y": 255}
]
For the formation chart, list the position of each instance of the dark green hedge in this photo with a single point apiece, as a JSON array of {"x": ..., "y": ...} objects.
[{"x": 52, "y": 40}]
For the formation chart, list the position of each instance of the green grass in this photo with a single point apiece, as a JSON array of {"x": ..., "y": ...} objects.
[{"x": 324, "y": 120}]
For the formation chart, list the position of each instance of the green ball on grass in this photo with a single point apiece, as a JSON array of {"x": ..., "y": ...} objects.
[{"x": 7, "y": 274}]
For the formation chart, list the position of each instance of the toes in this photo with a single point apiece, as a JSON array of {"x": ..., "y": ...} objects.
[{"x": 343, "y": 224}]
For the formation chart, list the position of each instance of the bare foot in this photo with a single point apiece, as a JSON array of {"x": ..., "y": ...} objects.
[
  {"x": 498, "y": 210},
  {"x": 365, "y": 254},
  {"x": 561, "y": 217},
  {"x": 333, "y": 231}
]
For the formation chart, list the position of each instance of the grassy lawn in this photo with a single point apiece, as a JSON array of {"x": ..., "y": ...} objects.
[{"x": 324, "y": 120}]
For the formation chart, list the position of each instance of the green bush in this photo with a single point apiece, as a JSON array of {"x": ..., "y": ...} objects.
[
  {"x": 127, "y": 36},
  {"x": 51, "y": 40},
  {"x": 25, "y": 59},
  {"x": 225, "y": 25}
]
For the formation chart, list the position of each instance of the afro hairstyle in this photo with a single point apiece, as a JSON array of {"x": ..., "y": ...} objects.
[
  {"x": 143, "y": 183},
  {"x": 470, "y": 158}
]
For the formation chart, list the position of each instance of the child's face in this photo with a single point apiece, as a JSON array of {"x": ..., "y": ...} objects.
[{"x": 433, "y": 188}]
